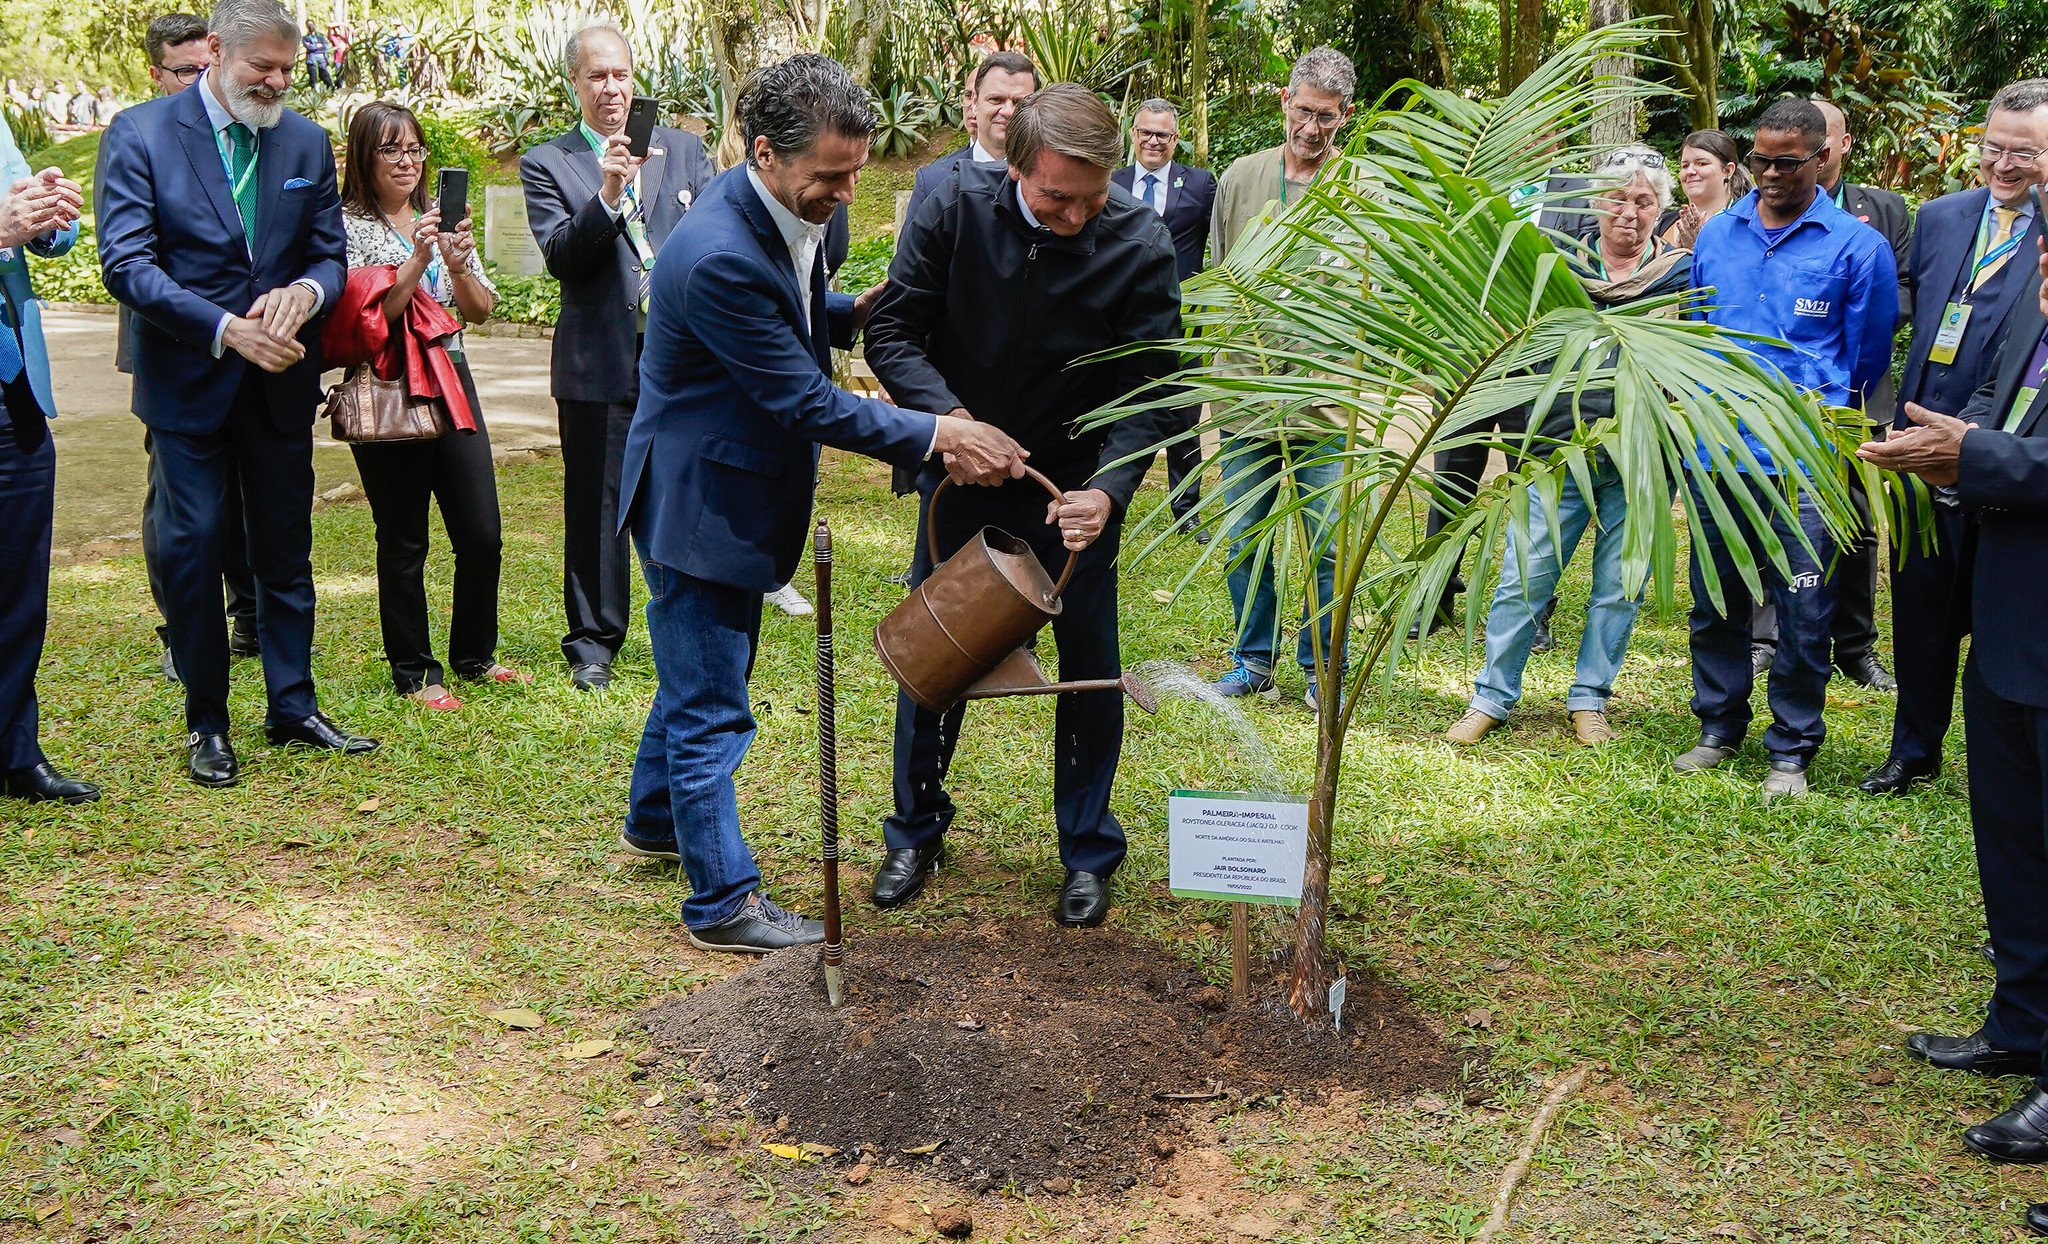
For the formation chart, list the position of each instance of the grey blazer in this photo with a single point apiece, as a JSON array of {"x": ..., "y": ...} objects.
[{"x": 587, "y": 250}]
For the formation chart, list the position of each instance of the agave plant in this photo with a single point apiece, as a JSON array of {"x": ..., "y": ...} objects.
[
  {"x": 901, "y": 121},
  {"x": 1389, "y": 315},
  {"x": 1068, "y": 45}
]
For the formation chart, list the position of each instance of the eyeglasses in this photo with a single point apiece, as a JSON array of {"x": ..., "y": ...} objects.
[
  {"x": 392, "y": 153},
  {"x": 1631, "y": 155},
  {"x": 1321, "y": 120},
  {"x": 188, "y": 74},
  {"x": 1786, "y": 165},
  {"x": 1158, "y": 136},
  {"x": 1994, "y": 154}
]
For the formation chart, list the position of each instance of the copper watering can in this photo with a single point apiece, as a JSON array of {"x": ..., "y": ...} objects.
[{"x": 960, "y": 634}]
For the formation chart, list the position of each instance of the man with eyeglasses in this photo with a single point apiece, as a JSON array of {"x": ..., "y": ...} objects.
[
  {"x": 1855, "y": 627},
  {"x": 1184, "y": 197},
  {"x": 600, "y": 216},
  {"x": 178, "y": 54},
  {"x": 1969, "y": 264},
  {"x": 1788, "y": 264},
  {"x": 1314, "y": 106}
]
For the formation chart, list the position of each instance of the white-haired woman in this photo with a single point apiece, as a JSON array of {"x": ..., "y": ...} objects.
[{"x": 1626, "y": 263}]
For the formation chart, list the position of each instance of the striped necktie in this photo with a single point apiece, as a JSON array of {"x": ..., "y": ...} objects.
[{"x": 2003, "y": 218}]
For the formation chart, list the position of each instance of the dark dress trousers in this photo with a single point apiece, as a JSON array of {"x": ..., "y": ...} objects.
[
  {"x": 172, "y": 248},
  {"x": 234, "y": 559},
  {"x": 2002, "y": 480},
  {"x": 594, "y": 371},
  {"x": 1931, "y": 588},
  {"x": 987, "y": 312},
  {"x": 1190, "y": 200}
]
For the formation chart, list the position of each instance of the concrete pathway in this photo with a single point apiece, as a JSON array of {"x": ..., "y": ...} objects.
[{"x": 101, "y": 467}]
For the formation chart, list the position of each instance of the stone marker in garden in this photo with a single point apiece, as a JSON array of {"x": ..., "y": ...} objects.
[{"x": 508, "y": 239}]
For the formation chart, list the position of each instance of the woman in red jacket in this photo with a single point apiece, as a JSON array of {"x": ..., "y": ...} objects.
[{"x": 391, "y": 222}]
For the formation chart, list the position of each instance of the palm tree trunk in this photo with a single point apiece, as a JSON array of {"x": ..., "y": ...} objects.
[
  {"x": 869, "y": 19},
  {"x": 1616, "y": 123},
  {"x": 1309, "y": 991}
]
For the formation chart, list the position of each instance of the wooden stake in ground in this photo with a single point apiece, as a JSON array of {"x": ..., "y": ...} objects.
[
  {"x": 1511, "y": 1179},
  {"x": 828, "y": 767},
  {"x": 1240, "y": 952}
]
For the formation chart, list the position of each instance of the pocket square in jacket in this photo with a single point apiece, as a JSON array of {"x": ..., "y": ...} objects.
[{"x": 297, "y": 183}]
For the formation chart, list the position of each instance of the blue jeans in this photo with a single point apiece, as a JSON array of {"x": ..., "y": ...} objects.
[
  {"x": 1721, "y": 673},
  {"x": 1525, "y": 588},
  {"x": 1251, "y": 465},
  {"x": 698, "y": 731}
]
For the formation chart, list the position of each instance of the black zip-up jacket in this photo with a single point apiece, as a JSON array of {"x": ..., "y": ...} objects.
[{"x": 986, "y": 312}]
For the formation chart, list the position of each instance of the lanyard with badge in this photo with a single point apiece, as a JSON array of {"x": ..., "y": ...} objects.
[
  {"x": 635, "y": 218},
  {"x": 1955, "y": 317},
  {"x": 2023, "y": 400}
]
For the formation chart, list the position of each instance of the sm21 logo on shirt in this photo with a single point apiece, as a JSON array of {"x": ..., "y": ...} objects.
[{"x": 1817, "y": 308}]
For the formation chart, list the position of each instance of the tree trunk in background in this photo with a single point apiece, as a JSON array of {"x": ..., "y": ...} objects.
[
  {"x": 1433, "y": 30},
  {"x": 1616, "y": 124},
  {"x": 727, "y": 31},
  {"x": 1528, "y": 38},
  {"x": 1505, "y": 70},
  {"x": 1198, "y": 77},
  {"x": 1692, "y": 45},
  {"x": 868, "y": 20}
]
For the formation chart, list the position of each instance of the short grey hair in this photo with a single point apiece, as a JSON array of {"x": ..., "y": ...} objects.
[
  {"x": 2023, "y": 96},
  {"x": 1156, "y": 104},
  {"x": 1324, "y": 69},
  {"x": 792, "y": 102},
  {"x": 1619, "y": 168},
  {"x": 572, "y": 50},
  {"x": 241, "y": 22}
]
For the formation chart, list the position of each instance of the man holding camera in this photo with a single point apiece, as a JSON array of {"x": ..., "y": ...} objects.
[{"x": 600, "y": 211}]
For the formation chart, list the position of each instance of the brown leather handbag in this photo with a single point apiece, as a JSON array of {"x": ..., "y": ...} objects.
[{"x": 366, "y": 409}]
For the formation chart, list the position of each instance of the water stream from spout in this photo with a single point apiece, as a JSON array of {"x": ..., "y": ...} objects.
[{"x": 1171, "y": 680}]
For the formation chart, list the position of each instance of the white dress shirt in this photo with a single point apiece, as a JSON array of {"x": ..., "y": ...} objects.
[
  {"x": 218, "y": 116},
  {"x": 801, "y": 237},
  {"x": 1156, "y": 198},
  {"x": 979, "y": 154}
]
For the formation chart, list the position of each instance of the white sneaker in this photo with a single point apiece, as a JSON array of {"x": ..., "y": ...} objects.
[{"x": 790, "y": 601}]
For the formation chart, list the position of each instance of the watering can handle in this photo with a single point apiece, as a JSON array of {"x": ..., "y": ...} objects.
[{"x": 931, "y": 529}]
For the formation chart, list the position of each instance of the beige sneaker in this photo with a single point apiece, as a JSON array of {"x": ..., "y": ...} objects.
[
  {"x": 1709, "y": 752},
  {"x": 1472, "y": 727},
  {"x": 1590, "y": 725},
  {"x": 1786, "y": 780}
]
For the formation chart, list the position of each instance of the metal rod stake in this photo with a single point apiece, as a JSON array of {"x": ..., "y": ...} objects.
[{"x": 828, "y": 769}]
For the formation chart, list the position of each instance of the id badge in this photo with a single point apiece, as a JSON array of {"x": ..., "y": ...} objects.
[{"x": 1955, "y": 321}]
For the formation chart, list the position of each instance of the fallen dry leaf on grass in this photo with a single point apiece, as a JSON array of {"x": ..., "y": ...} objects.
[
  {"x": 1478, "y": 1017},
  {"x": 370, "y": 805},
  {"x": 921, "y": 1150},
  {"x": 518, "y": 1017},
  {"x": 1161, "y": 595},
  {"x": 655, "y": 1100},
  {"x": 588, "y": 1049},
  {"x": 789, "y": 1153}
]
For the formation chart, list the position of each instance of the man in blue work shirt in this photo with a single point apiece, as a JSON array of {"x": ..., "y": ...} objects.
[{"x": 1786, "y": 263}]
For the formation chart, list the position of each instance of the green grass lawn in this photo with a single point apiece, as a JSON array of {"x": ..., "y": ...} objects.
[{"x": 260, "y": 1014}]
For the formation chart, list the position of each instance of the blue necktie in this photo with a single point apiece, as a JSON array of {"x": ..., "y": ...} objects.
[
  {"x": 1151, "y": 184},
  {"x": 10, "y": 348}
]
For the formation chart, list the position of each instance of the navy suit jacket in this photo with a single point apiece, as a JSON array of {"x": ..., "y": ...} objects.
[
  {"x": 1937, "y": 264},
  {"x": 1190, "y": 198},
  {"x": 2003, "y": 479},
  {"x": 587, "y": 250},
  {"x": 172, "y": 249},
  {"x": 736, "y": 395},
  {"x": 931, "y": 177}
]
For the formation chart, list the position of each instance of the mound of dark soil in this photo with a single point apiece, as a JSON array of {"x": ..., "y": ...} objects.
[{"x": 1026, "y": 1053}]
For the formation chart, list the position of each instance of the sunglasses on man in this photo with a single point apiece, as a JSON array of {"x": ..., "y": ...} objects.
[{"x": 1786, "y": 165}]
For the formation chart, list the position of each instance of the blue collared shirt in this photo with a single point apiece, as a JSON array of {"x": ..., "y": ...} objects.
[{"x": 1828, "y": 288}]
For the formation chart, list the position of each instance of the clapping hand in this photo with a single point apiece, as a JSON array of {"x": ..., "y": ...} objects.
[{"x": 38, "y": 205}]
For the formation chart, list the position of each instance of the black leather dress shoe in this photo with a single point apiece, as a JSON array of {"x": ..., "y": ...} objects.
[
  {"x": 212, "y": 760},
  {"x": 1866, "y": 671},
  {"x": 2037, "y": 1219},
  {"x": 1084, "y": 900},
  {"x": 901, "y": 876},
  {"x": 1973, "y": 1053},
  {"x": 2020, "y": 1135},
  {"x": 1893, "y": 777},
  {"x": 593, "y": 676},
  {"x": 43, "y": 784},
  {"x": 317, "y": 731},
  {"x": 243, "y": 641}
]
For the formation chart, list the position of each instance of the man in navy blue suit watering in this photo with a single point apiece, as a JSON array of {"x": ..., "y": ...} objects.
[
  {"x": 1970, "y": 288},
  {"x": 220, "y": 228},
  {"x": 736, "y": 396}
]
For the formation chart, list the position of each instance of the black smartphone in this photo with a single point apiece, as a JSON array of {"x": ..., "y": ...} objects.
[
  {"x": 452, "y": 191},
  {"x": 640, "y": 116}
]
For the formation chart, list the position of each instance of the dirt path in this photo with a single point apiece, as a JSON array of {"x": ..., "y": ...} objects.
[{"x": 101, "y": 466}]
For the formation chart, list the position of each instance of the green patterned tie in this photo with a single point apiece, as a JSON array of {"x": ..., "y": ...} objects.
[{"x": 242, "y": 177}]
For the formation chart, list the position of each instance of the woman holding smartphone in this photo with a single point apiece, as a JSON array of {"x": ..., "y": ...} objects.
[{"x": 390, "y": 221}]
